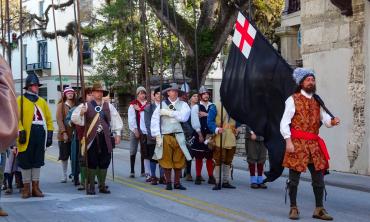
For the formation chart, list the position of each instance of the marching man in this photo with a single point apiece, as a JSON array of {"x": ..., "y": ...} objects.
[
  {"x": 304, "y": 148},
  {"x": 102, "y": 120}
]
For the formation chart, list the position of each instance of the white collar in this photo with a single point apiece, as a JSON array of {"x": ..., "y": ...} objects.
[
  {"x": 205, "y": 104},
  {"x": 173, "y": 102},
  {"x": 307, "y": 95},
  {"x": 32, "y": 93}
]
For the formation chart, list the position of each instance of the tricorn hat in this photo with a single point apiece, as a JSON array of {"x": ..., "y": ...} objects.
[
  {"x": 99, "y": 87},
  {"x": 32, "y": 79}
]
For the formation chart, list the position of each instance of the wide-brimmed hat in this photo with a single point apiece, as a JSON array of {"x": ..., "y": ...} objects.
[
  {"x": 158, "y": 89},
  {"x": 99, "y": 87},
  {"x": 172, "y": 86}
]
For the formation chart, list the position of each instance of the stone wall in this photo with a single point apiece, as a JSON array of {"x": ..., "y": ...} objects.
[{"x": 334, "y": 45}]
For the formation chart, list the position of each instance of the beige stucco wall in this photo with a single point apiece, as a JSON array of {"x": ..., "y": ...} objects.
[
  {"x": 331, "y": 84},
  {"x": 337, "y": 48}
]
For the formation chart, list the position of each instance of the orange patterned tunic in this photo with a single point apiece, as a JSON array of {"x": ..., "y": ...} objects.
[{"x": 306, "y": 118}]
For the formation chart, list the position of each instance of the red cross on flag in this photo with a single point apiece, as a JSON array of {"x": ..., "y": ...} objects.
[
  {"x": 255, "y": 85},
  {"x": 244, "y": 35}
]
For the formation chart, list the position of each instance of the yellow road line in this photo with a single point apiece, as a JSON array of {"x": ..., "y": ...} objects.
[
  {"x": 181, "y": 199},
  {"x": 243, "y": 214}
]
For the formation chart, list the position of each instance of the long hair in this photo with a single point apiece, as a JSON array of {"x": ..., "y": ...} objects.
[{"x": 64, "y": 99}]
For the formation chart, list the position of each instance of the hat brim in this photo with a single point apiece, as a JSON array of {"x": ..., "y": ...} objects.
[
  {"x": 31, "y": 85},
  {"x": 105, "y": 92},
  {"x": 169, "y": 89}
]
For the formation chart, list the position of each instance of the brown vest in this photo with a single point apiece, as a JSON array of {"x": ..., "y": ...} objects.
[
  {"x": 104, "y": 120},
  {"x": 306, "y": 118}
]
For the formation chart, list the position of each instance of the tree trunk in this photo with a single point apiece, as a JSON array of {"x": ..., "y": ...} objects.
[{"x": 215, "y": 25}]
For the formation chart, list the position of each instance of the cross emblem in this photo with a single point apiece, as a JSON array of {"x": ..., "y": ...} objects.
[{"x": 244, "y": 35}]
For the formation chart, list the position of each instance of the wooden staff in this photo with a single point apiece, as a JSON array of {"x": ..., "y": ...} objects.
[
  {"x": 58, "y": 60},
  {"x": 8, "y": 26},
  {"x": 79, "y": 36},
  {"x": 2, "y": 26}
]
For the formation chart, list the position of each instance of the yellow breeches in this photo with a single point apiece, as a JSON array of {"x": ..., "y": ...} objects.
[{"x": 173, "y": 157}]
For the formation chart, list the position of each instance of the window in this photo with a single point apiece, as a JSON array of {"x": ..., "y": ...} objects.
[
  {"x": 42, "y": 53},
  {"x": 41, "y": 8},
  {"x": 86, "y": 52},
  {"x": 43, "y": 92},
  {"x": 24, "y": 56}
]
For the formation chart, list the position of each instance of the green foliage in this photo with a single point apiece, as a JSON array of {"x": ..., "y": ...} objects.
[
  {"x": 205, "y": 42},
  {"x": 267, "y": 15}
]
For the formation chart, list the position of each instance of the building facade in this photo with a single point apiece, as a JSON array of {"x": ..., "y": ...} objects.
[
  {"x": 40, "y": 54},
  {"x": 333, "y": 38}
]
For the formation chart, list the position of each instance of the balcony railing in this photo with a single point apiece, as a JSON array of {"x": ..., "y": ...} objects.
[
  {"x": 292, "y": 6},
  {"x": 38, "y": 66}
]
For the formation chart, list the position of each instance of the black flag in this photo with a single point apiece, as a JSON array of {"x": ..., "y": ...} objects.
[{"x": 255, "y": 85}]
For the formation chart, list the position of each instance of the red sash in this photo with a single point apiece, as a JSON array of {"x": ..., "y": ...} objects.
[{"x": 298, "y": 134}]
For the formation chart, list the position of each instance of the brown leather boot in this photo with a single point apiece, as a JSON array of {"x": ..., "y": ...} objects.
[
  {"x": 3, "y": 213},
  {"x": 26, "y": 191},
  {"x": 36, "y": 192},
  {"x": 322, "y": 214},
  {"x": 294, "y": 213}
]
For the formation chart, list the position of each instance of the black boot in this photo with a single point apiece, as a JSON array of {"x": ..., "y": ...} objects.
[
  {"x": 198, "y": 180},
  {"x": 142, "y": 170},
  {"x": 102, "y": 187},
  {"x": 217, "y": 187},
  {"x": 18, "y": 179},
  {"x": 132, "y": 164},
  {"x": 9, "y": 178},
  {"x": 90, "y": 188}
]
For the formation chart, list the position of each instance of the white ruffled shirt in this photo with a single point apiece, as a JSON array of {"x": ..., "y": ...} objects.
[{"x": 290, "y": 111}]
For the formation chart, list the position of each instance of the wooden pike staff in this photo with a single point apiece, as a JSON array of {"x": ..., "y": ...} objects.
[
  {"x": 82, "y": 77},
  {"x": 21, "y": 55},
  {"x": 58, "y": 60},
  {"x": 7, "y": 15},
  {"x": 2, "y": 26},
  {"x": 143, "y": 20}
]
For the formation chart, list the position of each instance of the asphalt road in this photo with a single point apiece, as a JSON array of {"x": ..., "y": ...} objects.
[{"x": 134, "y": 200}]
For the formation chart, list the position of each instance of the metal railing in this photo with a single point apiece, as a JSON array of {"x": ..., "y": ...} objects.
[{"x": 38, "y": 66}]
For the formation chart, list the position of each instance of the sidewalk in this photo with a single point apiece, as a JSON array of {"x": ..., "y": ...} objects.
[{"x": 336, "y": 179}]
